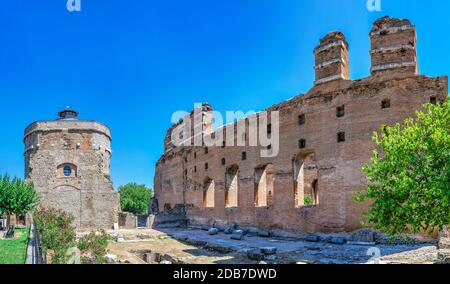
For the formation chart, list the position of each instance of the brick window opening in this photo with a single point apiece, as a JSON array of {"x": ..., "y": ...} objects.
[
  {"x": 185, "y": 172},
  {"x": 231, "y": 187},
  {"x": 195, "y": 155},
  {"x": 195, "y": 169},
  {"x": 206, "y": 150},
  {"x": 433, "y": 100},
  {"x": 206, "y": 166},
  {"x": 223, "y": 144},
  {"x": 263, "y": 190},
  {"x": 386, "y": 104},
  {"x": 223, "y": 161},
  {"x": 269, "y": 129},
  {"x": 341, "y": 137},
  {"x": 302, "y": 143},
  {"x": 244, "y": 156},
  {"x": 301, "y": 119},
  {"x": 208, "y": 193},
  {"x": 340, "y": 111},
  {"x": 315, "y": 192},
  {"x": 305, "y": 171}
]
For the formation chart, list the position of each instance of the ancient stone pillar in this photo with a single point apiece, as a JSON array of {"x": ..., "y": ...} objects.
[
  {"x": 331, "y": 58},
  {"x": 393, "y": 47}
]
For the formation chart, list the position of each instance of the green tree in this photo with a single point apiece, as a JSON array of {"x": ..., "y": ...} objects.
[
  {"x": 409, "y": 178},
  {"x": 17, "y": 197},
  {"x": 134, "y": 198}
]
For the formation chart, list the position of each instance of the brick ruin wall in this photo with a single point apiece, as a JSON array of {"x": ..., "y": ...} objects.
[
  {"x": 218, "y": 186},
  {"x": 84, "y": 146}
]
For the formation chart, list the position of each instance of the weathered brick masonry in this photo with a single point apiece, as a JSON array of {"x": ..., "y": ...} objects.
[
  {"x": 325, "y": 139},
  {"x": 69, "y": 162}
]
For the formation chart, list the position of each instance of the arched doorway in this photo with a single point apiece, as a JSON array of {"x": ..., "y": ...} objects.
[
  {"x": 264, "y": 180},
  {"x": 305, "y": 173},
  {"x": 231, "y": 190},
  {"x": 208, "y": 193}
]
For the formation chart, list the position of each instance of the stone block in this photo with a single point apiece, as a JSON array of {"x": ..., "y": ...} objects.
[
  {"x": 152, "y": 257},
  {"x": 252, "y": 231},
  {"x": 229, "y": 230},
  {"x": 111, "y": 258},
  {"x": 338, "y": 240},
  {"x": 213, "y": 231},
  {"x": 237, "y": 235},
  {"x": 313, "y": 238},
  {"x": 363, "y": 236},
  {"x": 269, "y": 250},
  {"x": 255, "y": 254},
  {"x": 264, "y": 234},
  {"x": 218, "y": 248},
  {"x": 272, "y": 257},
  {"x": 165, "y": 262}
]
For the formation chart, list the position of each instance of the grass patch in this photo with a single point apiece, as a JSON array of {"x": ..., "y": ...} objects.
[{"x": 14, "y": 251}]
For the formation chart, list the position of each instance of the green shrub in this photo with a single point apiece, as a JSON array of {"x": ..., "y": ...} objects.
[
  {"x": 93, "y": 247},
  {"x": 308, "y": 200}
]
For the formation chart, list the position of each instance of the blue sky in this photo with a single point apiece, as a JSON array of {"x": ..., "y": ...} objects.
[{"x": 131, "y": 63}]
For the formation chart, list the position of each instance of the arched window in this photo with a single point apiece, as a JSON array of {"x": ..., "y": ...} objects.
[
  {"x": 208, "y": 193},
  {"x": 231, "y": 183},
  {"x": 264, "y": 180},
  {"x": 67, "y": 171}
]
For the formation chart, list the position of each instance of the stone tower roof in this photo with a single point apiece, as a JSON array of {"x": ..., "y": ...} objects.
[{"x": 68, "y": 114}]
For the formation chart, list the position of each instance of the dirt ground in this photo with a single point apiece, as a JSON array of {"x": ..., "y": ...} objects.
[
  {"x": 192, "y": 246},
  {"x": 140, "y": 241}
]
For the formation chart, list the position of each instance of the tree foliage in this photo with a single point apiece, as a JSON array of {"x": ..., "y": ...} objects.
[
  {"x": 17, "y": 196},
  {"x": 134, "y": 198},
  {"x": 409, "y": 178}
]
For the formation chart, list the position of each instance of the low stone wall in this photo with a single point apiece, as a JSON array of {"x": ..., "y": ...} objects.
[
  {"x": 444, "y": 245},
  {"x": 127, "y": 220},
  {"x": 173, "y": 215},
  {"x": 444, "y": 238}
]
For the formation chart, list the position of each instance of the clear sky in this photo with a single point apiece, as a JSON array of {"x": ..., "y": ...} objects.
[{"x": 131, "y": 63}]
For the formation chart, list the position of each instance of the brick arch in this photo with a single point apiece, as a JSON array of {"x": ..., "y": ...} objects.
[
  {"x": 208, "y": 193},
  {"x": 232, "y": 186},
  {"x": 305, "y": 174},
  {"x": 264, "y": 181}
]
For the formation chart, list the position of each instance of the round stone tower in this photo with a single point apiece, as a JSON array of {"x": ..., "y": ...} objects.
[{"x": 68, "y": 161}]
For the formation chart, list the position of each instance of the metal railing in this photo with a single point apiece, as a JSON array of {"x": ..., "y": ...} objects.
[{"x": 38, "y": 255}]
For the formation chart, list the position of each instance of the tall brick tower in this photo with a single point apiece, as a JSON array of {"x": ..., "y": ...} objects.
[
  {"x": 331, "y": 58},
  {"x": 393, "y": 47}
]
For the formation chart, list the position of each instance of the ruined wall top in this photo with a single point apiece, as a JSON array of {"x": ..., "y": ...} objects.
[
  {"x": 387, "y": 23},
  {"x": 332, "y": 37},
  {"x": 331, "y": 58},
  {"x": 393, "y": 55},
  {"x": 67, "y": 119},
  {"x": 393, "y": 48}
]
